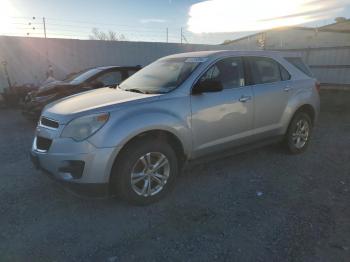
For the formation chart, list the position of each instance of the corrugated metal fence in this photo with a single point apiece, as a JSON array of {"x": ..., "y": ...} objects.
[{"x": 331, "y": 65}]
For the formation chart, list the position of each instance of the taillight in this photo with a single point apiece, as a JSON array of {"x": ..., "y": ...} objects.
[{"x": 318, "y": 86}]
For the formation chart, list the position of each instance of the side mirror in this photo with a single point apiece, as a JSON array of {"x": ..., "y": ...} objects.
[{"x": 207, "y": 86}]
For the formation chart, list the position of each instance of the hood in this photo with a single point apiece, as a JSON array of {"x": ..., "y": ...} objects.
[{"x": 99, "y": 99}]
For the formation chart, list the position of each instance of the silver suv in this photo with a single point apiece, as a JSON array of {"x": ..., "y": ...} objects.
[{"x": 133, "y": 139}]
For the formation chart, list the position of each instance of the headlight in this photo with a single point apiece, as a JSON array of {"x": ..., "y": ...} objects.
[{"x": 83, "y": 127}]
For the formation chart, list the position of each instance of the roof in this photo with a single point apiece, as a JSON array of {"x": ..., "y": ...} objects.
[
  {"x": 195, "y": 54},
  {"x": 219, "y": 53},
  {"x": 122, "y": 67}
]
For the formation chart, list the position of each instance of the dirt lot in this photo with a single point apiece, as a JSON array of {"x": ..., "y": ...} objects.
[{"x": 263, "y": 205}]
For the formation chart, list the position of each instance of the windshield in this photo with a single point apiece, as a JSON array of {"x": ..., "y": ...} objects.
[
  {"x": 78, "y": 79},
  {"x": 73, "y": 75},
  {"x": 161, "y": 76}
]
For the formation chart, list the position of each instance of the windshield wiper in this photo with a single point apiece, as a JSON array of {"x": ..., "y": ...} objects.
[
  {"x": 135, "y": 90},
  {"x": 114, "y": 86}
]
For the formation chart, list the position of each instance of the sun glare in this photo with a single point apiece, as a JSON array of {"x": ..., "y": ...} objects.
[
  {"x": 7, "y": 11},
  {"x": 253, "y": 15}
]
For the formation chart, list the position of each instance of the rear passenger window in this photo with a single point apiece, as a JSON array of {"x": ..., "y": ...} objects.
[
  {"x": 228, "y": 71},
  {"x": 264, "y": 70}
]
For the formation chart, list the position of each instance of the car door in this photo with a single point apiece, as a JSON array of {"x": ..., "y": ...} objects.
[
  {"x": 271, "y": 87},
  {"x": 222, "y": 119}
]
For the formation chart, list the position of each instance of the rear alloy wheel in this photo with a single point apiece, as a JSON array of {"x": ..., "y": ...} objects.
[
  {"x": 299, "y": 133},
  {"x": 145, "y": 171}
]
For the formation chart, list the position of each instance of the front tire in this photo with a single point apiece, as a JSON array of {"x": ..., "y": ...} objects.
[
  {"x": 145, "y": 171},
  {"x": 299, "y": 133}
]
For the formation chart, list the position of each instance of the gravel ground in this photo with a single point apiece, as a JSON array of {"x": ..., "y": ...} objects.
[{"x": 262, "y": 205}]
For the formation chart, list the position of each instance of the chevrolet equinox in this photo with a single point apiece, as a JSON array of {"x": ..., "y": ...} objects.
[{"x": 133, "y": 139}]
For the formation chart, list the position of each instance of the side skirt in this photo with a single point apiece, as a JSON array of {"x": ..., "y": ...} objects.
[{"x": 235, "y": 150}]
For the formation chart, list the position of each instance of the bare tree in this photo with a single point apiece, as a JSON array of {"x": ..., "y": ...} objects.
[
  {"x": 340, "y": 19},
  {"x": 226, "y": 42},
  {"x": 112, "y": 36},
  {"x": 109, "y": 36}
]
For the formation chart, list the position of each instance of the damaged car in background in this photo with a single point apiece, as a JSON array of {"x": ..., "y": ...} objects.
[{"x": 88, "y": 79}]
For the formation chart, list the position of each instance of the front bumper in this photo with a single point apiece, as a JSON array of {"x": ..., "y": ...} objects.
[
  {"x": 85, "y": 189},
  {"x": 93, "y": 174}
]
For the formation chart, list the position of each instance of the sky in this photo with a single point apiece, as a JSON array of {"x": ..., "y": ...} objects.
[{"x": 209, "y": 22}]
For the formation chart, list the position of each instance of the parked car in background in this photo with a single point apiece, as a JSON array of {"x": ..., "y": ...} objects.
[
  {"x": 88, "y": 79},
  {"x": 134, "y": 139}
]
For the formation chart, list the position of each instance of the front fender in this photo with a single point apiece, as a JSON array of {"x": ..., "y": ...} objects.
[{"x": 124, "y": 125}]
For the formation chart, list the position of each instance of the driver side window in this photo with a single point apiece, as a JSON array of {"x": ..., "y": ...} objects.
[
  {"x": 211, "y": 74},
  {"x": 228, "y": 71}
]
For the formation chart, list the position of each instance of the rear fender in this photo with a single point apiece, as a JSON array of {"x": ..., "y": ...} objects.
[{"x": 301, "y": 97}]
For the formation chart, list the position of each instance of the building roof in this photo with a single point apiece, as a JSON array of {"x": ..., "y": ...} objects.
[{"x": 340, "y": 27}]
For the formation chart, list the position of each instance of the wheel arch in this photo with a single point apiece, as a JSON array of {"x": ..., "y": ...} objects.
[
  {"x": 159, "y": 134},
  {"x": 308, "y": 109}
]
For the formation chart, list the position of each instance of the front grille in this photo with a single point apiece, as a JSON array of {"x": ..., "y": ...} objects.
[
  {"x": 48, "y": 122},
  {"x": 43, "y": 143}
]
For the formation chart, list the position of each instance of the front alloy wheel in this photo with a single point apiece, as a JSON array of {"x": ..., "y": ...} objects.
[
  {"x": 150, "y": 173},
  {"x": 145, "y": 171}
]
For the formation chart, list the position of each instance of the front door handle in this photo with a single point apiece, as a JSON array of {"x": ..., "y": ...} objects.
[{"x": 244, "y": 99}]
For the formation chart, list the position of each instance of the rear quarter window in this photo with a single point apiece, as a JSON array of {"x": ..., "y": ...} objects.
[
  {"x": 284, "y": 74},
  {"x": 299, "y": 64}
]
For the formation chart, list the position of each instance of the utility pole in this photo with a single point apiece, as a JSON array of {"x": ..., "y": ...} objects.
[
  {"x": 181, "y": 35},
  {"x": 46, "y": 47},
  {"x": 44, "y": 23},
  {"x": 167, "y": 35}
]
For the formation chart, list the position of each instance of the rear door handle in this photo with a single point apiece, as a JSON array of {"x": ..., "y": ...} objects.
[{"x": 244, "y": 99}]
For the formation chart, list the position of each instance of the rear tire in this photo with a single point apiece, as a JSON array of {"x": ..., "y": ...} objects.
[
  {"x": 145, "y": 171},
  {"x": 299, "y": 133}
]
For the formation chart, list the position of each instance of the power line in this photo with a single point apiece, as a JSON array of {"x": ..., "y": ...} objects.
[{"x": 67, "y": 28}]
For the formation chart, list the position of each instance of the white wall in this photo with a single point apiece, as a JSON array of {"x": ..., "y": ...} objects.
[
  {"x": 26, "y": 57},
  {"x": 27, "y": 63}
]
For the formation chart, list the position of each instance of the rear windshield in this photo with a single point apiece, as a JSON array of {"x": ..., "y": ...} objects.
[{"x": 298, "y": 63}]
